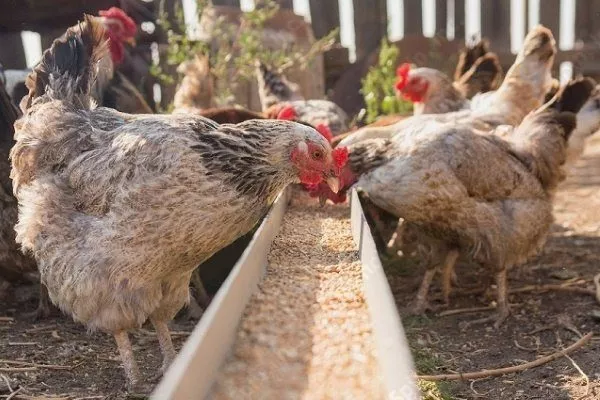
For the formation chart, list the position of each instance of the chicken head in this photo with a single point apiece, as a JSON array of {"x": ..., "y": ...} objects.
[{"x": 120, "y": 29}]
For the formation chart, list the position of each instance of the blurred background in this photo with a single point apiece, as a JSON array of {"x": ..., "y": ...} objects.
[{"x": 427, "y": 32}]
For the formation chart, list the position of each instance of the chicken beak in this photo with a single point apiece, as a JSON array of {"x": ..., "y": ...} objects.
[
  {"x": 131, "y": 41},
  {"x": 334, "y": 183}
]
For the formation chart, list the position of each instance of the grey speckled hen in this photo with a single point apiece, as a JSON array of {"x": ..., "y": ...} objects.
[{"x": 119, "y": 209}]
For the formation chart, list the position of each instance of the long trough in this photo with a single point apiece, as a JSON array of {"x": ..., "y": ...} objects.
[{"x": 196, "y": 368}]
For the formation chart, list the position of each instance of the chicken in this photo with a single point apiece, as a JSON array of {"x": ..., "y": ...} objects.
[
  {"x": 274, "y": 88},
  {"x": 14, "y": 265},
  {"x": 277, "y": 93},
  {"x": 523, "y": 90},
  {"x": 458, "y": 191},
  {"x": 195, "y": 92},
  {"x": 111, "y": 88},
  {"x": 433, "y": 92},
  {"x": 588, "y": 123},
  {"x": 478, "y": 70},
  {"x": 119, "y": 209},
  {"x": 14, "y": 83}
]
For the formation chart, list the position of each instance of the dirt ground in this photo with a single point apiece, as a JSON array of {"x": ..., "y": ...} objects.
[
  {"x": 540, "y": 324},
  {"x": 81, "y": 364}
]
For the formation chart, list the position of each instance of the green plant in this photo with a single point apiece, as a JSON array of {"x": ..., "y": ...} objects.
[
  {"x": 235, "y": 48},
  {"x": 378, "y": 85}
]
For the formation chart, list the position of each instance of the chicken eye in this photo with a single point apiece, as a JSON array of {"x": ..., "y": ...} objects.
[{"x": 317, "y": 155}]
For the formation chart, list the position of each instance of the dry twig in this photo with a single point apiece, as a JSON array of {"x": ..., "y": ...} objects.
[
  {"x": 36, "y": 365},
  {"x": 6, "y": 319},
  {"x": 465, "y": 310},
  {"x": 597, "y": 285},
  {"x": 513, "y": 369},
  {"x": 583, "y": 375},
  {"x": 13, "y": 394}
]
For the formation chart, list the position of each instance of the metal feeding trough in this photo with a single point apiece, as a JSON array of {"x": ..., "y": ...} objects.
[{"x": 197, "y": 366}]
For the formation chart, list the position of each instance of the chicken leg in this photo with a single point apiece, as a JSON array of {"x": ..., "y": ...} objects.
[
  {"x": 201, "y": 295},
  {"x": 502, "y": 307},
  {"x": 421, "y": 304},
  {"x": 198, "y": 302},
  {"x": 44, "y": 307},
  {"x": 132, "y": 373},
  {"x": 448, "y": 274},
  {"x": 165, "y": 343}
]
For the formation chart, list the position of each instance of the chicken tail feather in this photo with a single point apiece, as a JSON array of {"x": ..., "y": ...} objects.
[{"x": 67, "y": 68}]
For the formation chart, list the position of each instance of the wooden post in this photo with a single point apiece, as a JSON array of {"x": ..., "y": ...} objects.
[
  {"x": 231, "y": 3},
  {"x": 12, "y": 53},
  {"x": 286, "y": 4},
  {"x": 370, "y": 25},
  {"x": 550, "y": 16},
  {"x": 459, "y": 19},
  {"x": 495, "y": 24},
  {"x": 325, "y": 16},
  {"x": 587, "y": 20},
  {"x": 413, "y": 17},
  {"x": 441, "y": 17}
]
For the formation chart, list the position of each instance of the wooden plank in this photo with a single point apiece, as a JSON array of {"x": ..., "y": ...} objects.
[
  {"x": 495, "y": 23},
  {"x": 325, "y": 16},
  {"x": 550, "y": 16},
  {"x": 197, "y": 365},
  {"x": 18, "y": 15},
  {"x": 231, "y": 3},
  {"x": 393, "y": 352},
  {"x": 413, "y": 17},
  {"x": 12, "y": 53},
  {"x": 587, "y": 20},
  {"x": 370, "y": 25},
  {"x": 459, "y": 19},
  {"x": 441, "y": 17}
]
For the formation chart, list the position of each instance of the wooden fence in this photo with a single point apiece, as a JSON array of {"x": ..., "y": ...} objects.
[{"x": 51, "y": 17}]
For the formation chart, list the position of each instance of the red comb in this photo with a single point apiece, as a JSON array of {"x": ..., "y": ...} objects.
[
  {"x": 116, "y": 13},
  {"x": 340, "y": 157},
  {"x": 402, "y": 76},
  {"x": 287, "y": 113},
  {"x": 325, "y": 131}
]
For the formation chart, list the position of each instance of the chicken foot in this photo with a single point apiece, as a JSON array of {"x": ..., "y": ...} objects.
[
  {"x": 132, "y": 372},
  {"x": 503, "y": 309}
]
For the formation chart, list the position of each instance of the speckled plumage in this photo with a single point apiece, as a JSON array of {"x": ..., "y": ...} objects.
[
  {"x": 119, "y": 209},
  {"x": 487, "y": 196}
]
